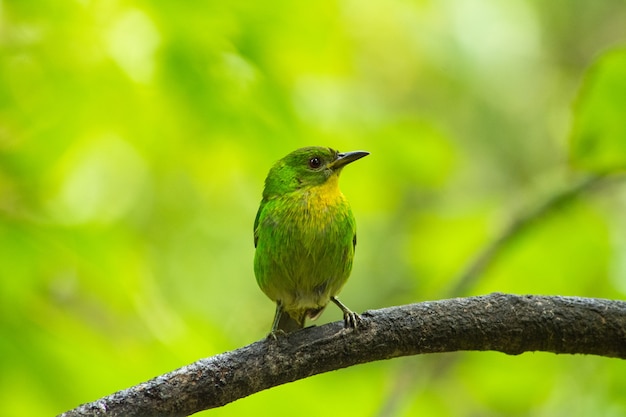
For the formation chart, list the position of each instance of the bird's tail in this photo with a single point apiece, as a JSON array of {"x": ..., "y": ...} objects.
[{"x": 287, "y": 323}]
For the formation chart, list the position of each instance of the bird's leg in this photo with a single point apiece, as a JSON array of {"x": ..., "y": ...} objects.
[
  {"x": 279, "y": 312},
  {"x": 350, "y": 318}
]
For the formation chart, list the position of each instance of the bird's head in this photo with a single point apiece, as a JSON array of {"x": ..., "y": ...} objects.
[{"x": 307, "y": 167}]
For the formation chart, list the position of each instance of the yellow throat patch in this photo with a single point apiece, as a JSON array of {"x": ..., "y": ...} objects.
[{"x": 328, "y": 193}]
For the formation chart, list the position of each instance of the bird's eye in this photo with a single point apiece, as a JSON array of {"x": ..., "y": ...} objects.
[{"x": 315, "y": 162}]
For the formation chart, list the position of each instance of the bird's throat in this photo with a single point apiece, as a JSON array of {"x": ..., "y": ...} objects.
[{"x": 326, "y": 194}]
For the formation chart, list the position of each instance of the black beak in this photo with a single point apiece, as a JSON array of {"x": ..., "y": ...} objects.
[{"x": 345, "y": 158}]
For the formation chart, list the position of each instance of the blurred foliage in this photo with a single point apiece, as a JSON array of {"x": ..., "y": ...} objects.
[
  {"x": 135, "y": 137},
  {"x": 599, "y": 137}
]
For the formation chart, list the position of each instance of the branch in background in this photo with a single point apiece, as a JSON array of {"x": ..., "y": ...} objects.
[
  {"x": 490, "y": 252},
  {"x": 500, "y": 322}
]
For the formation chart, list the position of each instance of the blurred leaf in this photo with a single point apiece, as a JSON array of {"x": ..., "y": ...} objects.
[{"x": 598, "y": 141}]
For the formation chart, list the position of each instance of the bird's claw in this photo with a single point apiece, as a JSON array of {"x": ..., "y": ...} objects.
[
  {"x": 352, "y": 320},
  {"x": 275, "y": 334}
]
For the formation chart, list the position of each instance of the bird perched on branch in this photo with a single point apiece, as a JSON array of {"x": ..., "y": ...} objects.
[{"x": 305, "y": 234}]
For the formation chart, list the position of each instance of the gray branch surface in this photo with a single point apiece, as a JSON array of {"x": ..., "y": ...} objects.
[{"x": 506, "y": 323}]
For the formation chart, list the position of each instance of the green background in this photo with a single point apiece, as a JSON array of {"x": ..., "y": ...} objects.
[{"x": 135, "y": 137}]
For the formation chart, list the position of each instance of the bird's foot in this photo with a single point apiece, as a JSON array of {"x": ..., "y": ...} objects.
[
  {"x": 275, "y": 334},
  {"x": 352, "y": 320}
]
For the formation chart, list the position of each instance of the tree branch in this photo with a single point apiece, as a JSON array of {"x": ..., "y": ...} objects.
[{"x": 500, "y": 322}]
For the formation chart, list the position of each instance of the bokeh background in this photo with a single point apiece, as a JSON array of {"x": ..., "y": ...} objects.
[{"x": 135, "y": 137}]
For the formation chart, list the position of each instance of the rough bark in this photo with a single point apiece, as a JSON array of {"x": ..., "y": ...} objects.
[{"x": 499, "y": 322}]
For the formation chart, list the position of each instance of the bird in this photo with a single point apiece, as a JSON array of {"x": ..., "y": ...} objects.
[{"x": 305, "y": 237}]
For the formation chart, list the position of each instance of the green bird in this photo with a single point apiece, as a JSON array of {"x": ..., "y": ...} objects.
[{"x": 305, "y": 235}]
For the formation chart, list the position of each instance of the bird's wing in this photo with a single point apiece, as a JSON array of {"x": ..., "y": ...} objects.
[
  {"x": 354, "y": 241},
  {"x": 256, "y": 223}
]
